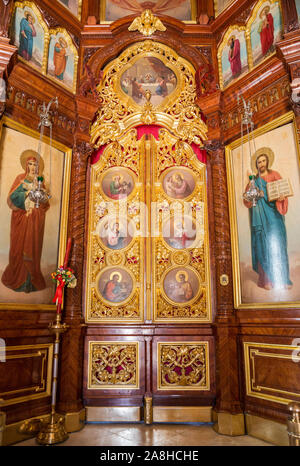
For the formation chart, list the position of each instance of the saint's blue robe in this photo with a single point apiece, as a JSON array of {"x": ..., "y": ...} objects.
[
  {"x": 26, "y": 44},
  {"x": 269, "y": 239}
]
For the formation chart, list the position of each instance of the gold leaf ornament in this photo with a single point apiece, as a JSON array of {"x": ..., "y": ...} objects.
[{"x": 147, "y": 24}]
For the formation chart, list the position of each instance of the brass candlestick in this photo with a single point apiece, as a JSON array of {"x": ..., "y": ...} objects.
[{"x": 54, "y": 431}]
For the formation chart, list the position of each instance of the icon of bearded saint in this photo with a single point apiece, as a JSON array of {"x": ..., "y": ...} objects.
[{"x": 160, "y": 6}]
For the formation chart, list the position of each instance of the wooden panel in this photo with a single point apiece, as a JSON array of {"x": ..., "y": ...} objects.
[
  {"x": 113, "y": 368},
  {"x": 26, "y": 374},
  {"x": 271, "y": 373}
]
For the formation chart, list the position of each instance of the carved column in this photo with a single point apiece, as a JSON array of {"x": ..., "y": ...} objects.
[
  {"x": 211, "y": 106},
  {"x": 215, "y": 149},
  {"x": 71, "y": 361},
  {"x": 71, "y": 368},
  {"x": 228, "y": 413}
]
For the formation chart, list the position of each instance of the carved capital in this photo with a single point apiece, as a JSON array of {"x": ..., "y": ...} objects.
[
  {"x": 6, "y": 53},
  {"x": 211, "y": 103},
  {"x": 89, "y": 84},
  {"x": 215, "y": 150},
  {"x": 213, "y": 145},
  {"x": 51, "y": 22},
  {"x": 82, "y": 150}
]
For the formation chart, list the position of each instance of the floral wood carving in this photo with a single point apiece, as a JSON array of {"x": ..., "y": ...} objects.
[
  {"x": 205, "y": 80},
  {"x": 88, "y": 87},
  {"x": 20, "y": 98}
]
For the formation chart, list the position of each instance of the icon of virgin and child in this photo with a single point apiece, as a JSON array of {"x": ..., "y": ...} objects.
[
  {"x": 177, "y": 186},
  {"x": 23, "y": 272}
]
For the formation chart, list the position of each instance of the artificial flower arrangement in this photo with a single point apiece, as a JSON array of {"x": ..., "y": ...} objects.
[{"x": 64, "y": 277}]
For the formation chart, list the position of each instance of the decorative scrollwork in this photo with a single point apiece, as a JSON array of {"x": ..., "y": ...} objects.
[
  {"x": 101, "y": 311},
  {"x": 183, "y": 365},
  {"x": 117, "y": 112},
  {"x": 194, "y": 311},
  {"x": 113, "y": 364}
]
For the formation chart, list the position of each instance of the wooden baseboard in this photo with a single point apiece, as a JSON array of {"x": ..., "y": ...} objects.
[{"x": 267, "y": 430}]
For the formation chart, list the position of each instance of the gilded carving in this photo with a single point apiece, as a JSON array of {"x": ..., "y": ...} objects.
[
  {"x": 147, "y": 24},
  {"x": 162, "y": 259},
  {"x": 101, "y": 311},
  {"x": 113, "y": 364},
  {"x": 180, "y": 256},
  {"x": 185, "y": 313},
  {"x": 183, "y": 366},
  {"x": 177, "y": 111},
  {"x": 167, "y": 193},
  {"x": 115, "y": 246}
]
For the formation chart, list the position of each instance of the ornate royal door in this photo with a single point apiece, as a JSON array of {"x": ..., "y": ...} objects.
[{"x": 149, "y": 340}]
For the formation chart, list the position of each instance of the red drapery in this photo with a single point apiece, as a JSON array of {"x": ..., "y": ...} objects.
[{"x": 151, "y": 129}]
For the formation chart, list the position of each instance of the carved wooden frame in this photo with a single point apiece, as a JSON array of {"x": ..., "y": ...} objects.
[
  {"x": 278, "y": 122},
  {"x": 8, "y": 122}
]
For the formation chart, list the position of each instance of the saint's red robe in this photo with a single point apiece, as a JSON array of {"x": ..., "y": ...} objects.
[
  {"x": 26, "y": 242},
  {"x": 267, "y": 34},
  {"x": 234, "y": 58}
]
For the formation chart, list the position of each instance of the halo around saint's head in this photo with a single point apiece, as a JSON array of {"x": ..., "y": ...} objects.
[
  {"x": 262, "y": 151},
  {"x": 266, "y": 10},
  {"x": 181, "y": 272},
  {"x": 62, "y": 42},
  {"x": 230, "y": 38},
  {"x": 31, "y": 154},
  {"x": 118, "y": 176},
  {"x": 28, "y": 13},
  {"x": 116, "y": 273},
  {"x": 177, "y": 174}
]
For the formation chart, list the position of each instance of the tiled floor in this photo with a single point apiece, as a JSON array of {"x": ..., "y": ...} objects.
[{"x": 155, "y": 435}]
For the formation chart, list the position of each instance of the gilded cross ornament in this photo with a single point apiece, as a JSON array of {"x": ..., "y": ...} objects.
[{"x": 147, "y": 24}]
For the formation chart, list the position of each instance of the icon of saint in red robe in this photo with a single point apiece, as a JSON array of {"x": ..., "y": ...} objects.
[
  {"x": 234, "y": 56},
  {"x": 116, "y": 289},
  {"x": 23, "y": 273},
  {"x": 266, "y": 30}
]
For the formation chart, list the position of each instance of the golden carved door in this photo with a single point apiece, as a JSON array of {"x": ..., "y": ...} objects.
[
  {"x": 147, "y": 296},
  {"x": 148, "y": 243}
]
